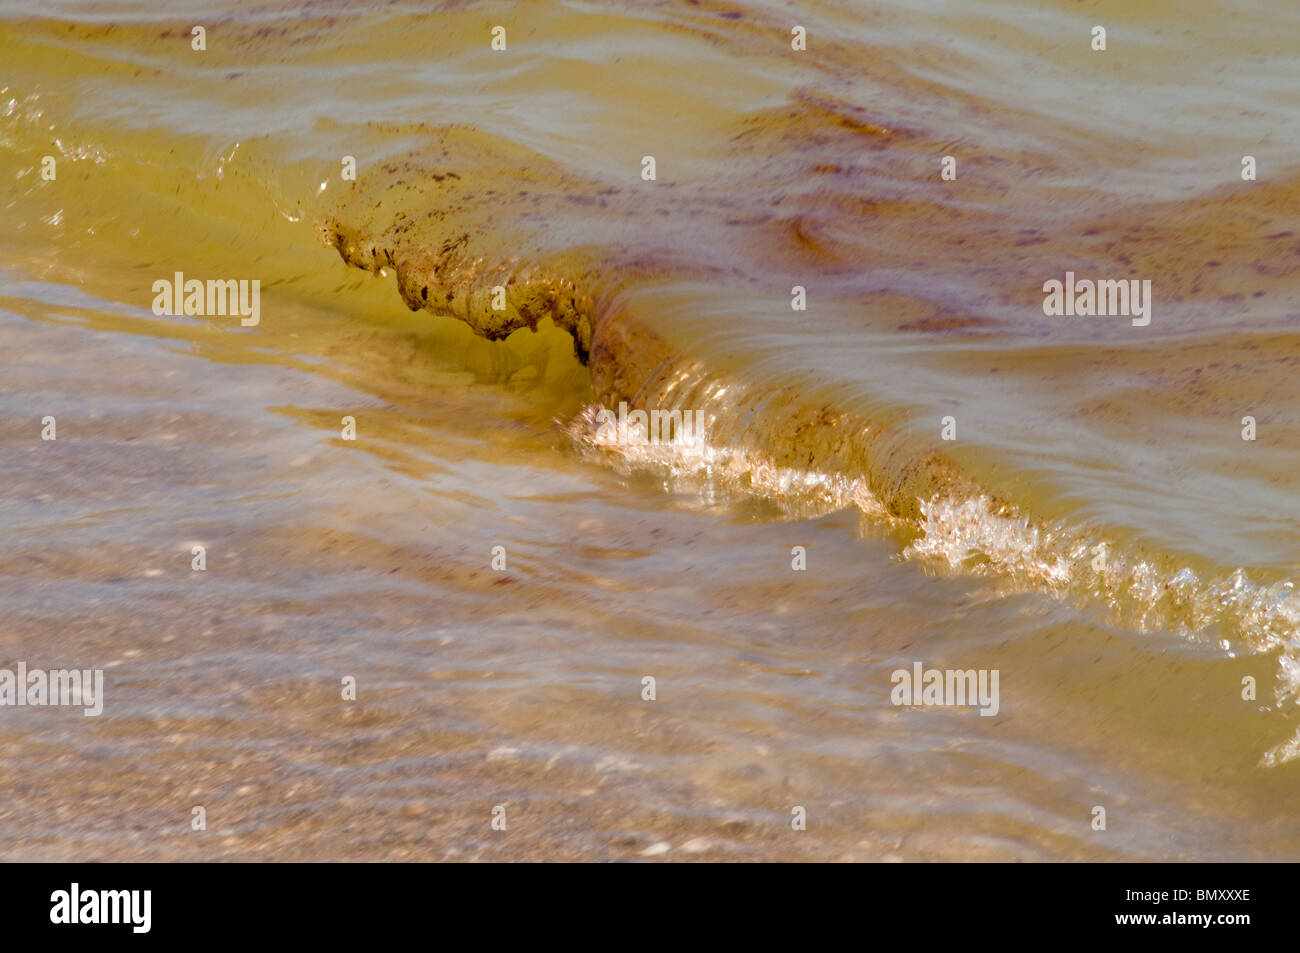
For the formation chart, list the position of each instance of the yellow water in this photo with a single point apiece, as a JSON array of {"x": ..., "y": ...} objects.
[{"x": 1121, "y": 682}]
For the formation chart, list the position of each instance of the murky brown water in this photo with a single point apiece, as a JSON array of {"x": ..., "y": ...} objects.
[{"x": 1120, "y": 680}]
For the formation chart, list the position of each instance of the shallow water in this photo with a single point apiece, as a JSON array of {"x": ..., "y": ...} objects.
[{"x": 1120, "y": 686}]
